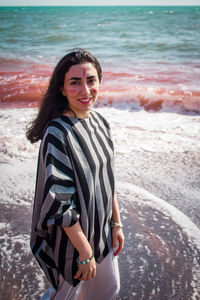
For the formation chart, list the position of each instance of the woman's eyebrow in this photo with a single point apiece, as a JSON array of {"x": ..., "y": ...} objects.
[
  {"x": 75, "y": 78},
  {"x": 90, "y": 77},
  {"x": 79, "y": 78}
]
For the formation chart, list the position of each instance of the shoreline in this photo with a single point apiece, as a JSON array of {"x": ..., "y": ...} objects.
[
  {"x": 159, "y": 260},
  {"x": 157, "y": 169}
]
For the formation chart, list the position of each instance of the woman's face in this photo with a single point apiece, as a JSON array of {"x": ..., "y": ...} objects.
[{"x": 81, "y": 87}]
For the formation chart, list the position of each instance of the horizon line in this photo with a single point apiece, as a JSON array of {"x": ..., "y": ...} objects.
[{"x": 119, "y": 5}]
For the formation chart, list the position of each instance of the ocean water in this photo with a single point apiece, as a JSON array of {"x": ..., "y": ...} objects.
[
  {"x": 150, "y": 55},
  {"x": 150, "y": 95}
]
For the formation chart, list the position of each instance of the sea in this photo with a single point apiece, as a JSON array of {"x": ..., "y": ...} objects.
[{"x": 150, "y": 94}]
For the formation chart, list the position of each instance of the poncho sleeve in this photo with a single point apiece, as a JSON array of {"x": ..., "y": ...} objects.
[{"x": 60, "y": 206}]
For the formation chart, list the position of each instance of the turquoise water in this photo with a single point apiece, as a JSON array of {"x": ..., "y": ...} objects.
[
  {"x": 150, "y": 55},
  {"x": 115, "y": 34}
]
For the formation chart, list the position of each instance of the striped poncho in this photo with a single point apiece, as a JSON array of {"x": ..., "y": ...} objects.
[{"x": 75, "y": 181}]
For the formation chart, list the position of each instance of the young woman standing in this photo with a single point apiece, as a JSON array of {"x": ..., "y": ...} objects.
[{"x": 76, "y": 227}]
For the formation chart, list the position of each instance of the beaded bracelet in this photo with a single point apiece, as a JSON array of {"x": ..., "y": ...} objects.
[
  {"x": 84, "y": 262},
  {"x": 113, "y": 224}
]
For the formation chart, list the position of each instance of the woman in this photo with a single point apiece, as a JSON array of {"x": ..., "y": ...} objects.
[{"x": 76, "y": 227}]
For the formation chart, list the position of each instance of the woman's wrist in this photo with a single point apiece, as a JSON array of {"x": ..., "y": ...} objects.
[
  {"x": 79, "y": 241},
  {"x": 86, "y": 261},
  {"x": 116, "y": 224}
]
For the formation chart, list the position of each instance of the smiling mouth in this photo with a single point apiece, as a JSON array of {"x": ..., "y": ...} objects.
[{"x": 85, "y": 100}]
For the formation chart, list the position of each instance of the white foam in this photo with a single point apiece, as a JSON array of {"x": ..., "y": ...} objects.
[
  {"x": 153, "y": 132},
  {"x": 4, "y": 225},
  {"x": 12, "y": 134},
  {"x": 187, "y": 226},
  {"x": 132, "y": 130},
  {"x": 192, "y": 231}
]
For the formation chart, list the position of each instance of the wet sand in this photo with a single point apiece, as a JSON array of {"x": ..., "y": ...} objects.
[
  {"x": 159, "y": 260},
  {"x": 161, "y": 257}
]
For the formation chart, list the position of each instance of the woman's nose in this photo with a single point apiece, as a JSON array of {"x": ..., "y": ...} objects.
[{"x": 85, "y": 89}]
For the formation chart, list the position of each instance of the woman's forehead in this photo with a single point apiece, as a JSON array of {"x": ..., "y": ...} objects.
[{"x": 81, "y": 70}]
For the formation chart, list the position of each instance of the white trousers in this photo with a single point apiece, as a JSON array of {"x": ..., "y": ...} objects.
[{"x": 105, "y": 285}]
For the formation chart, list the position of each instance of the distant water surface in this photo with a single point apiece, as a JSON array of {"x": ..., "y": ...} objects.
[
  {"x": 113, "y": 33},
  {"x": 150, "y": 55}
]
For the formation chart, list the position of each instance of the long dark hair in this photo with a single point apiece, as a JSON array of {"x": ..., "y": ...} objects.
[{"x": 54, "y": 103}]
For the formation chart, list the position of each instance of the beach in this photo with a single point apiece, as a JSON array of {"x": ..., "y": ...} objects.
[
  {"x": 158, "y": 192},
  {"x": 151, "y": 98}
]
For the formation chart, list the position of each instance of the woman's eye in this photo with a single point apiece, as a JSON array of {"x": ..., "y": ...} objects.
[
  {"x": 75, "y": 83},
  {"x": 91, "y": 81}
]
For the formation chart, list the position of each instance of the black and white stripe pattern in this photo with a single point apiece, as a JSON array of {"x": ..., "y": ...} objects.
[{"x": 75, "y": 181}]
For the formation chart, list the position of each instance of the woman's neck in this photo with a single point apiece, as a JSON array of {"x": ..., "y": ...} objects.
[{"x": 81, "y": 115}]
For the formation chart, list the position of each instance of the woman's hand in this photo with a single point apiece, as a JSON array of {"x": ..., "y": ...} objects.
[
  {"x": 117, "y": 239},
  {"x": 80, "y": 242},
  {"x": 117, "y": 233},
  {"x": 86, "y": 271}
]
